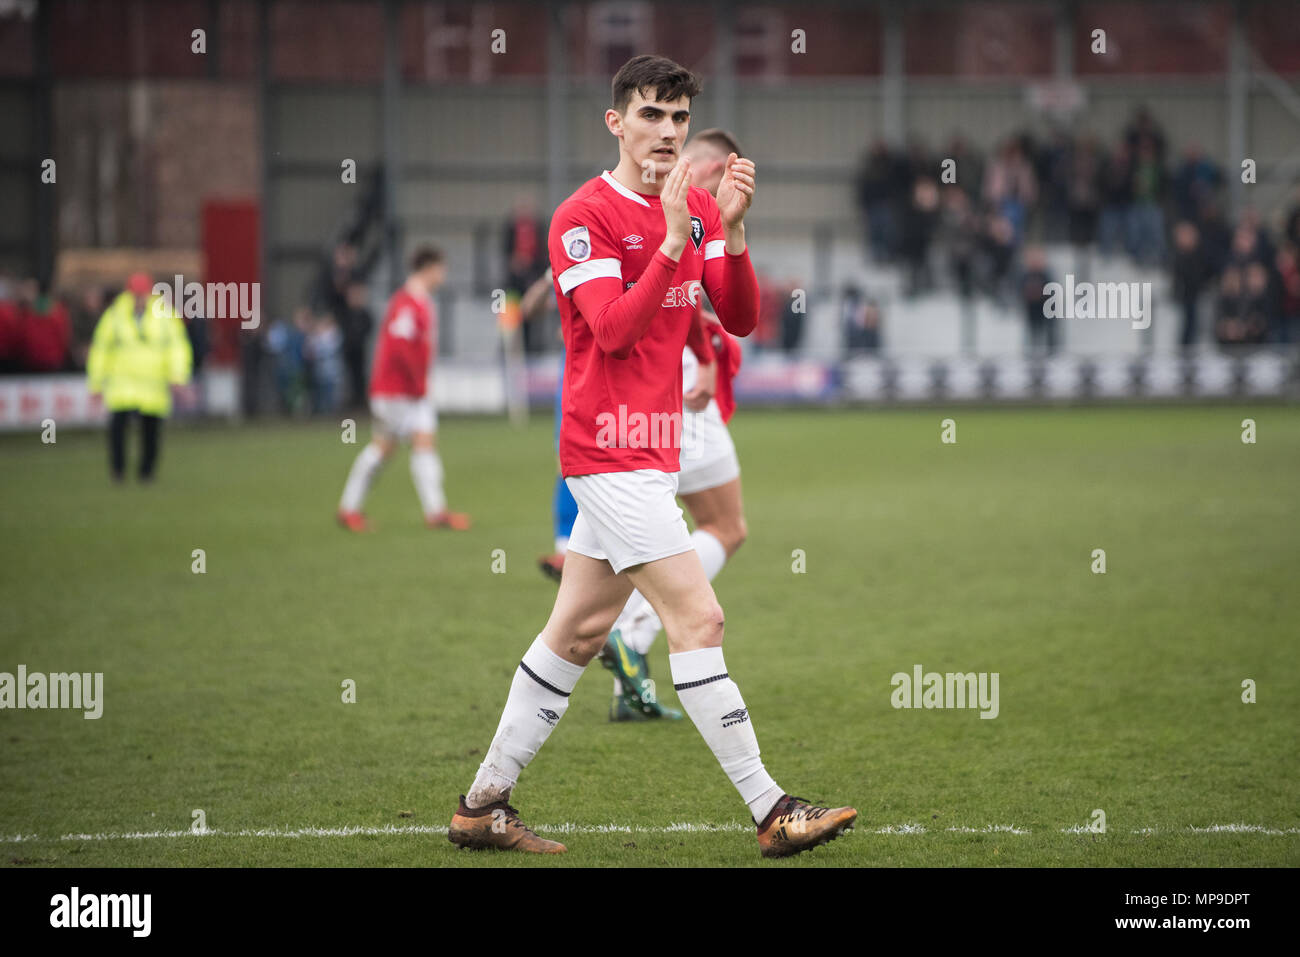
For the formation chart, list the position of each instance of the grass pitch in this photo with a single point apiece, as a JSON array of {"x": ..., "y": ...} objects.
[{"x": 223, "y": 691}]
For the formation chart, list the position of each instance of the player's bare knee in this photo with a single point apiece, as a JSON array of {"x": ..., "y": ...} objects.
[
  {"x": 591, "y": 633},
  {"x": 708, "y": 627},
  {"x": 575, "y": 647}
]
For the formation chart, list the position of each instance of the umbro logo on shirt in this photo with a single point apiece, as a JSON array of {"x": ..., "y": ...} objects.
[
  {"x": 739, "y": 716},
  {"x": 634, "y": 241}
]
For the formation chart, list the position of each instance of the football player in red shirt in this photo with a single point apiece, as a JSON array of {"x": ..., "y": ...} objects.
[
  {"x": 630, "y": 251},
  {"x": 399, "y": 401},
  {"x": 709, "y": 482}
]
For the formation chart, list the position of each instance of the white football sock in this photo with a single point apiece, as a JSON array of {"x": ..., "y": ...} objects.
[
  {"x": 638, "y": 621},
  {"x": 426, "y": 473},
  {"x": 364, "y": 469},
  {"x": 539, "y": 696},
  {"x": 714, "y": 703}
]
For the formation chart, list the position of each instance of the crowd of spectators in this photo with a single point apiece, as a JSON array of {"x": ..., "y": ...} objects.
[
  {"x": 318, "y": 356},
  {"x": 977, "y": 218},
  {"x": 41, "y": 332}
]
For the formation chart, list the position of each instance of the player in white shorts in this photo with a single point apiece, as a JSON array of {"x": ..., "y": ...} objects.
[
  {"x": 629, "y": 265},
  {"x": 400, "y": 401},
  {"x": 708, "y": 484}
]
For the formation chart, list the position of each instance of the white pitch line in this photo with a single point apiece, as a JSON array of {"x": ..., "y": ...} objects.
[
  {"x": 1244, "y": 829},
  {"x": 681, "y": 827},
  {"x": 991, "y": 829}
]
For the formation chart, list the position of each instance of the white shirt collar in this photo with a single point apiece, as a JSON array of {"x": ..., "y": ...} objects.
[{"x": 620, "y": 188}]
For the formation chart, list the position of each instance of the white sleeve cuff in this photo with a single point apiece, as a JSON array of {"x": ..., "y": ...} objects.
[
  {"x": 575, "y": 276},
  {"x": 714, "y": 248}
]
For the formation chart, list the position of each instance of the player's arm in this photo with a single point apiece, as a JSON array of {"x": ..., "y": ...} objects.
[
  {"x": 728, "y": 274},
  {"x": 732, "y": 287},
  {"x": 619, "y": 318},
  {"x": 700, "y": 342},
  {"x": 531, "y": 303}
]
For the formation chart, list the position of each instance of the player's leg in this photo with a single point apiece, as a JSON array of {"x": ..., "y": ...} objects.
[
  {"x": 368, "y": 463},
  {"x": 678, "y": 589},
  {"x": 426, "y": 465},
  {"x": 709, "y": 486},
  {"x": 589, "y": 598},
  {"x": 684, "y": 599},
  {"x": 719, "y": 518},
  {"x": 426, "y": 471},
  {"x": 643, "y": 531},
  {"x": 719, "y": 512}
]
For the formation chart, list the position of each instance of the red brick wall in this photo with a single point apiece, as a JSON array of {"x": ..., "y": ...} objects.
[{"x": 136, "y": 160}]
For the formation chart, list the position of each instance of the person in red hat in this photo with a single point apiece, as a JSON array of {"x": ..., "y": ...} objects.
[{"x": 139, "y": 351}]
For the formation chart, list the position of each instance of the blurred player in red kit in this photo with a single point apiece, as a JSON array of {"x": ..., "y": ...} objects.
[{"x": 399, "y": 401}]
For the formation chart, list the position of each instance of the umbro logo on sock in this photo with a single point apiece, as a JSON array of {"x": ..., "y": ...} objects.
[
  {"x": 549, "y": 716},
  {"x": 739, "y": 716}
]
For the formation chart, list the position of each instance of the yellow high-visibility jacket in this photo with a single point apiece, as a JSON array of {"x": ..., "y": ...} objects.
[{"x": 134, "y": 362}]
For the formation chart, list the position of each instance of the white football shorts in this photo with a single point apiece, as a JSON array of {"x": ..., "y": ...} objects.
[
  {"x": 400, "y": 417},
  {"x": 627, "y": 518},
  {"x": 708, "y": 456}
]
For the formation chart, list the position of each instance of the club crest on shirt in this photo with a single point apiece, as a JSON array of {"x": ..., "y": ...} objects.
[
  {"x": 697, "y": 231},
  {"x": 577, "y": 244}
]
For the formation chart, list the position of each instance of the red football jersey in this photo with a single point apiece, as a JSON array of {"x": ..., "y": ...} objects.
[
  {"x": 626, "y": 311},
  {"x": 408, "y": 339}
]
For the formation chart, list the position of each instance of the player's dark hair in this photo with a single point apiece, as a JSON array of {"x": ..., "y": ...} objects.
[
  {"x": 716, "y": 136},
  {"x": 425, "y": 256},
  {"x": 647, "y": 72}
]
